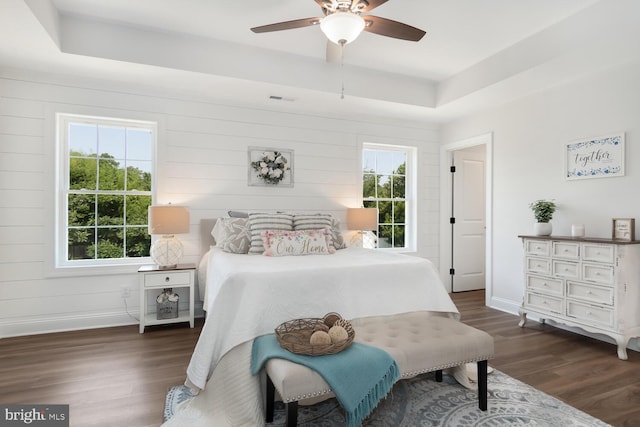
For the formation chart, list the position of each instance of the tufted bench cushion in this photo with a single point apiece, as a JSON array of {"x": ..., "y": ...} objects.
[{"x": 419, "y": 342}]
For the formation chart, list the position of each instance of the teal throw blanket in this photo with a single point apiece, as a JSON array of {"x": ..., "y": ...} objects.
[{"x": 359, "y": 376}]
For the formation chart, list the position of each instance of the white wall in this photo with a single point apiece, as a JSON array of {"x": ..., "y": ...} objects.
[
  {"x": 202, "y": 163},
  {"x": 528, "y": 138}
]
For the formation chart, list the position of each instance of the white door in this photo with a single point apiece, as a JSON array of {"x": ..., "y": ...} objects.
[{"x": 468, "y": 207}]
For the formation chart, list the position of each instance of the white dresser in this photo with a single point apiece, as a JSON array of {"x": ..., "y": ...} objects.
[{"x": 590, "y": 283}]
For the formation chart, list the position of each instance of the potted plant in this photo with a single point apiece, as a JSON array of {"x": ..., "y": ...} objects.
[{"x": 543, "y": 212}]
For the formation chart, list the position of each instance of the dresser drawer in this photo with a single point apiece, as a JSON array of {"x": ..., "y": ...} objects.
[
  {"x": 544, "y": 303},
  {"x": 545, "y": 285},
  {"x": 566, "y": 269},
  {"x": 168, "y": 279},
  {"x": 598, "y": 253},
  {"x": 598, "y": 273},
  {"x": 537, "y": 247},
  {"x": 590, "y": 293},
  {"x": 566, "y": 250},
  {"x": 538, "y": 265},
  {"x": 590, "y": 315}
]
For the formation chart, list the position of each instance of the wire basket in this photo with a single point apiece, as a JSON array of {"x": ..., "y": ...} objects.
[{"x": 294, "y": 335}]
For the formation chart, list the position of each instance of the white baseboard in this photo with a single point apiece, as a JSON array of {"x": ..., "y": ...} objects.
[{"x": 36, "y": 326}]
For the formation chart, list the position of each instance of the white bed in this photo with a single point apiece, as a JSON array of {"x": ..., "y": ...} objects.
[{"x": 246, "y": 296}]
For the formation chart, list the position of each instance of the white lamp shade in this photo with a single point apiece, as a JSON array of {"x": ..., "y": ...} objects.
[
  {"x": 168, "y": 220},
  {"x": 362, "y": 218},
  {"x": 342, "y": 26}
]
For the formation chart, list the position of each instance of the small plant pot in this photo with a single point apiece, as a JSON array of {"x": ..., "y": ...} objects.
[{"x": 542, "y": 228}]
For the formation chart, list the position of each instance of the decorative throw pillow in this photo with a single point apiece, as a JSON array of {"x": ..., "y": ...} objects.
[
  {"x": 336, "y": 234},
  {"x": 311, "y": 222},
  {"x": 238, "y": 214},
  {"x": 307, "y": 242},
  {"x": 236, "y": 238},
  {"x": 259, "y": 222}
]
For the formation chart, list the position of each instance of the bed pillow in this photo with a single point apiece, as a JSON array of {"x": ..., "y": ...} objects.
[
  {"x": 288, "y": 243},
  {"x": 238, "y": 214},
  {"x": 336, "y": 234},
  {"x": 235, "y": 236},
  {"x": 319, "y": 221},
  {"x": 259, "y": 222}
]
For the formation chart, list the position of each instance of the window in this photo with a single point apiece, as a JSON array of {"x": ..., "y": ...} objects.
[
  {"x": 105, "y": 187},
  {"x": 387, "y": 184}
]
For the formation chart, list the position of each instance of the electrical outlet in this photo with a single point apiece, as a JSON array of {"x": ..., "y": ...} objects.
[{"x": 125, "y": 292}]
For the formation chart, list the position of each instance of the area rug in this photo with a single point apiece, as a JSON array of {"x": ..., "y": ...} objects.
[{"x": 422, "y": 401}]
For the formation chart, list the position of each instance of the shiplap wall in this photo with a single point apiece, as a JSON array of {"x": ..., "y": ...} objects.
[{"x": 201, "y": 162}]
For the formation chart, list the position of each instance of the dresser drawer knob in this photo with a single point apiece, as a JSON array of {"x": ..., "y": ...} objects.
[
  {"x": 597, "y": 273},
  {"x": 589, "y": 292},
  {"x": 589, "y": 313},
  {"x": 566, "y": 250},
  {"x": 545, "y": 284},
  {"x": 167, "y": 279}
]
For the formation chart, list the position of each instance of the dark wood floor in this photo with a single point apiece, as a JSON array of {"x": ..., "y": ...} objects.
[{"x": 117, "y": 377}]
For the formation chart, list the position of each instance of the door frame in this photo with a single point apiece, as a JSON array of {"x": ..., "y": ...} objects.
[{"x": 446, "y": 154}]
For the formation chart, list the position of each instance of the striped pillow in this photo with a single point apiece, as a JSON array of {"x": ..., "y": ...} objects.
[
  {"x": 259, "y": 222},
  {"x": 318, "y": 222},
  {"x": 311, "y": 222}
]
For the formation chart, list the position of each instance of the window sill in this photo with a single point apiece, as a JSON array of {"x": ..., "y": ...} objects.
[{"x": 98, "y": 270}]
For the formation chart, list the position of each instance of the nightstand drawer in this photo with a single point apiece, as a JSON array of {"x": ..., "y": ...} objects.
[
  {"x": 537, "y": 247},
  {"x": 538, "y": 265},
  {"x": 597, "y": 273},
  {"x": 590, "y": 293},
  {"x": 167, "y": 279},
  {"x": 590, "y": 315},
  {"x": 598, "y": 253},
  {"x": 566, "y": 250},
  {"x": 566, "y": 269},
  {"x": 544, "y": 303},
  {"x": 545, "y": 285}
]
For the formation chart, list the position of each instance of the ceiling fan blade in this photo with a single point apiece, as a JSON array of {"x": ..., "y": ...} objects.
[
  {"x": 367, "y": 5},
  {"x": 288, "y": 25},
  {"x": 326, "y": 4},
  {"x": 334, "y": 52},
  {"x": 389, "y": 28}
]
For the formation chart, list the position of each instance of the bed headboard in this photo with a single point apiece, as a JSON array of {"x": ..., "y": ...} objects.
[{"x": 206, "y": 239}]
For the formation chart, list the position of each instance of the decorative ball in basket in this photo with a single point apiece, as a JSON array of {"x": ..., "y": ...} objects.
[
  {"x": 316, "y": 336},
  {"x": 167, "y": 304}
]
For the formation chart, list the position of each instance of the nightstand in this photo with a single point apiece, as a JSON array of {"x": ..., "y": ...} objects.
[{"x": 153, "y": 280}]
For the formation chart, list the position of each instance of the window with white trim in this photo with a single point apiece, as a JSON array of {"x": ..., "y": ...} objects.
[
  {"x": 105, "y": 185},
  {"x": 388, "y": 176}
]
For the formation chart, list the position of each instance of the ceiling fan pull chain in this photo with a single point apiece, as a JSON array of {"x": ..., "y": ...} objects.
[{"x": 342, "y": 65}]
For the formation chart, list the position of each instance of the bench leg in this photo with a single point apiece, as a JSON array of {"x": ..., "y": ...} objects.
[
  {"x": 271, "y": 397},
  {"x": 292, "y": 414},
  {"x": 482, "y": 385},
  {"x": 439, "y": 375}
]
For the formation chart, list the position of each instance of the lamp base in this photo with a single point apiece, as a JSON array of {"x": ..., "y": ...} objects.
[
  {"x": 166, "y": 252},
  {"x": 363, "y": 239}
]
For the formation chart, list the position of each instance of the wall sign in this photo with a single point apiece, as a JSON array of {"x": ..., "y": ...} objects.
[{"x": 600, "y": 157}]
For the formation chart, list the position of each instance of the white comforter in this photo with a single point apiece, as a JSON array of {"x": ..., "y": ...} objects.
[{"x": 249, "y": 295}]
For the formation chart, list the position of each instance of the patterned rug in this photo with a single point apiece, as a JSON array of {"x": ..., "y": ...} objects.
[{"x": 422, "y": 401}]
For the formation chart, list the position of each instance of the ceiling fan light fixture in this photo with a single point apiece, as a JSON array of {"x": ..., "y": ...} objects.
[{"x": 342, "y": 27}]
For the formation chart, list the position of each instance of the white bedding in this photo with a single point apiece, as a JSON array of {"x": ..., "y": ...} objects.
[{"x": 249, "y": 295}]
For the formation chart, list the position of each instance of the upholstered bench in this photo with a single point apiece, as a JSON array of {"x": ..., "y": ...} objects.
[{"x": 420, "y": 342}]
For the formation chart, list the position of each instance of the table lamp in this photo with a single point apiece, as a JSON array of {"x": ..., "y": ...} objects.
[{"x": 167, "y": 220}]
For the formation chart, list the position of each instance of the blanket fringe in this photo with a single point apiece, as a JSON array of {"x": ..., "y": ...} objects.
[{"x": 371, "y": 400}]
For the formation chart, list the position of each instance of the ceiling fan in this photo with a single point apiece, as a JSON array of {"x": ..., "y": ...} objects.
[{"x": 343, "y": 22}]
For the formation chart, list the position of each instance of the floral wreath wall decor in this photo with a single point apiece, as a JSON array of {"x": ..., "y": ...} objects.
[{"x": 270, "y": 167}]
